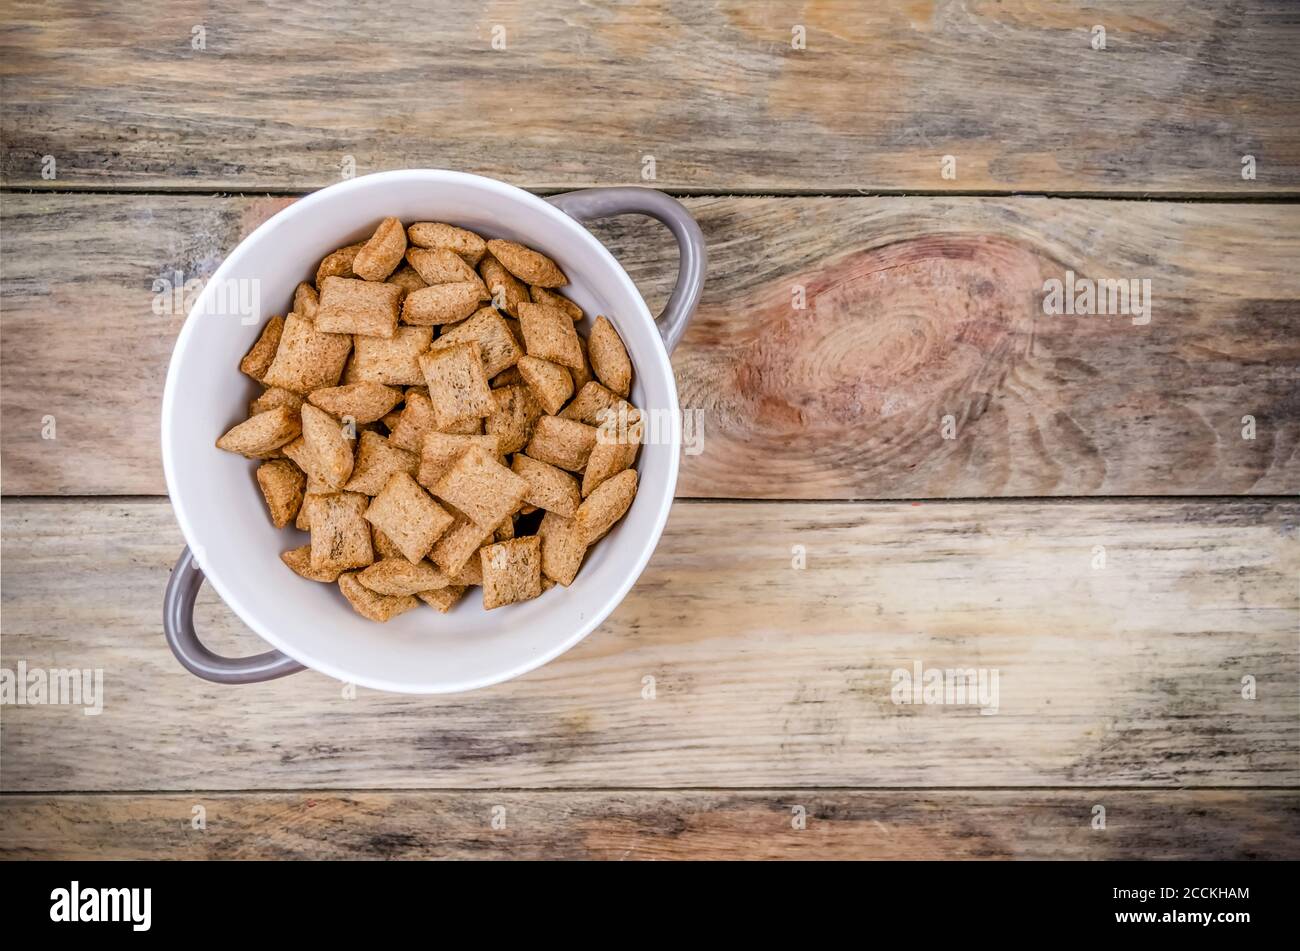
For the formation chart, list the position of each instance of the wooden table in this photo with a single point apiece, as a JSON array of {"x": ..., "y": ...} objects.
[{"x": 918, "y": 466}]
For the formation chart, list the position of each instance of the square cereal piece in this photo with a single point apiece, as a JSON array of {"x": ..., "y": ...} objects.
[
  {"x": 615, "y": 450},
  {"x": 457, "y": 383},
  {"x": 384, "y": 547},
  {"x": 307, "y": 358},
  {"x": 581, "y": 375},
  {"x": 562, "y": 548},
  {"x": 305, "y": 301},
  {"x": 512, "y": 420},
  {"x": 551, "y": 383},
  {"x": 436, "y": 234},
  {"x": 487, "y": 328},
  {"x": 510, "y": 377},
  {"x": 562, "y": 442},
  {"x": 415, "y": 422},
  {"x": 392, "y": 362},
  {"x": 461, "y": 542},
  {"x": 588, "y": 404},
  {"x": 481, "y": 487},
  {"x": 377, "y": 461},
  {"x": 396, "y": 577},
  {"x": 340, "y": 537},
  {"x": 442, "y": 599},
  {"x": 512, "y": 571},
  {"x": 258, "y": 359},
  {"x": 443, "y": 303},
  {"x": 549, "y": 334},
  {"x": 471, "y": 575},
  {"x": 548, "y": 487},
  {"x": 507, "y": 291},
  {"x": 441, "y": 266},
  {"x": 408, "y": 516},
  {"x": 338, "y": 263},
  {"x": 330, "y": 445},
  {"x": 299, "y": 561},
  {"x": 605, "y": 506},
  {"x": 282, "y": 484},
  {"x": 407, "y": 278},
  {"x": 542, "y": 295},
  {"x": 372, "y": 606},
  {"x": 272, "y": 397},
  {"x": 526, "y": 264},
  {"x": 349, "y": 306},
  {"x": 609, "y": 359},
  {"x": 361, "y": 402},
  {"x": 441, "y": 450},
  {"x": 382, "y": 252},
  {"x": 263, "y": 433}
]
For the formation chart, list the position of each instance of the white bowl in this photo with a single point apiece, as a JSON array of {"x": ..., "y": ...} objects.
[{"x": 222, "y": 514}]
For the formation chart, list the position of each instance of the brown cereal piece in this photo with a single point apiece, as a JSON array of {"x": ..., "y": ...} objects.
[
  {"x": 562, "y": 549},
  {"x": 605, "y": 506},
  {"x": 384, "y": 547},
  {"x": 377, "y": 461},
  {"x": 592, "y": 400},
  {"x": 263, "y": 433},
  {"x": 549, "y": 334},
  {"x": 481, "y": 487},
  {"x": 512, "y": 571},
  {"x": 272, "y": 397},
  {"x": 389, "y": 420},
  {"x": 329, "y": 445},
  {"x": 258, "y": 359},
  {"x": 382, "y": 253},
  {"x": 460, "y": 542},
  {"x": 305, "y": 301},
  {"x": 372, "y": 606},
  {"x": 404, "y": 512},
  {"x": 503, "y": 532},
  {"x": 609, "y": 360},
  {"x": 549, "y": 488},
  {"x": 471, "y": 574},
  {"x": 307, "y": 358},
  {"x": 407, "y": 278},
  {"x": 581, "y": 375},
  {"x": 363, "y": 402},
  {"x": 296, "y": 449},
  {"x": 506, "y": 377},
  {"x": 416, "y": 421},
  {"x": 441, "y": 450},
  {"x": 615, "y": 450},
  {"x": 350, "y": 306},
  {"x": 443, "y": 303},
  {"x": 457, "y": 383},
  {"x": 338, "y": 263},
  {"x": 314, "y": 488},
  {"x": 442, "y": 599},
  {"x": 392, "y": 362},
  {"x": 512, "y": 420},
  {"x": 441, "y": 266},
  {"x": 282, "y": 485},
  {"x": 506, "y": 290},
  {"x": 435, "y": 234},
  {"x": 340, "y": 537},
  {"x": 526, "y": 264},
  {"x": 299, "y": 560},
  {"x": 562, "y": 442},
  {"x": 396, "y": 577},
  {"x": 496, "y": 344},
  {"x": 541, "y": 295},
  {"x": 549, "y": 382}
]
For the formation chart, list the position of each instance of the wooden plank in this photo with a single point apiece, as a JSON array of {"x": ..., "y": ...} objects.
[
  {"x": 916, "y": 309},
  {"x": 714, "y": 92},
  {"x": 634, "y": 825},
  {"x": 765, "y": 674}
]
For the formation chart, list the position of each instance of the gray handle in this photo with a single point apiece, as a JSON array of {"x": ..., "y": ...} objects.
[
  {"x": 591, "y": 203},
  {"x": 178, "y": 625}
]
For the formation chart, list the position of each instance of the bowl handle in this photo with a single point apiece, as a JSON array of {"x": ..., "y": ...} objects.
[
  {"x": 178, "y": 625},
  {"x": 590, "y": 203}
]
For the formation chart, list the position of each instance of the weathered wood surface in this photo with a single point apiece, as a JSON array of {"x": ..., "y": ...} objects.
[
  {"x": 916, "y": 309},
  {"x": 280, "y": 97},
  {"x": 631, "y": 825},
  {"x": 764, "y": 674}
]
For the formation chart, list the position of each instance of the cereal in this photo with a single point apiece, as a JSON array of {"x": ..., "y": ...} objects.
[
  {"x": 397, "y": 577},
  {"x": 506, "y": 378},
  {"x": 549, "y": 334},
  {"x": 442, "y": 599},
  {"x": 407, "y": 278},
  {"x": 614, "y": 451},
  {"x": 562, "y": 548},
  {"x": 377, "y": 461},
  {"x": 299, "y": 560},
  {"x": 443, "y": 303},
  {"x": 372, "y": 606},
  {"x": 441, "y": 266},
  {"x": 393, "y": 362},
  {"x": 562, "y": 442},
  {"x": 382, "y": 253},
  {"x": 526, "y": 264},
  {"x": 609, "y": 359},
  {"x": 481, "y": 487},
  {"x": 460, "y": 542},
  {"x": 581, "y": 375},
  {"x": 349, "y": 306},
  {"x": 590, "y": 402},
  {"x": 258, "y": 360},
  {"x": 605, "y": 506},
  {"x": 457, "y": 383},
  {"x": 441, "y": 450},
  {"x": 506, "y": 290},
  {"x": 282, "y": 485},
  {"x": 512, "y": 420},
  {"x": 272, "y": 397},
  {"x": 512, "y": 571},
  {"x": 340, "y": 537},
  {"x": 497, "y": 346},
  {"x": 362, "y": 402},
  {"x": 435, "y": 234},
  {"x": 415, "y": 422},
  {"x": 541, "y": 295},
  {"x": 338, "y": 263},
  {"x": 549, "y": 382},
  {"x": 408, "y": 516},
  {"x": 263, "y": 433},
  {"x": 305, "y": 301},
  {"x": 548, "y": 487},
  {"x": 384, "y": 547},
  {"x": 306, "y": 358},
  {"x": 329, "y": 446}
]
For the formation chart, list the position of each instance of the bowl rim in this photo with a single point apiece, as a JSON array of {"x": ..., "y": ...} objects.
[{"x": 305, "y": 206}]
